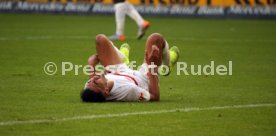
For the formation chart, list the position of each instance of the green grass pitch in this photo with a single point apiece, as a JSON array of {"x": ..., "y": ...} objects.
[{"x": 28, "y": 41}]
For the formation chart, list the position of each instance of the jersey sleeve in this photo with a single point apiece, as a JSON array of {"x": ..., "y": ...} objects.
[{"x": 138, "y": 94}]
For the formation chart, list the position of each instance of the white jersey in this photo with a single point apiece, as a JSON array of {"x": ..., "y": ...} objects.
[{"x": 126, "y": 88}]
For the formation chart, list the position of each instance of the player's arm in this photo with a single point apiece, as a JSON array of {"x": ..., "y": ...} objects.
[
  {"x": 93, "y": 61},
  {"x": 153, "y": 87},
  {"x": 154, "y": 58}
]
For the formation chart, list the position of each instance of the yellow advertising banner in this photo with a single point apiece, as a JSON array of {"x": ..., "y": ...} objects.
[{"x": 224, "y": 3}]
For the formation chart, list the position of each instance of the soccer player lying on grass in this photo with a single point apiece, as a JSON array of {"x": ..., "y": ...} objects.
[{"x": 120, "y": 83}]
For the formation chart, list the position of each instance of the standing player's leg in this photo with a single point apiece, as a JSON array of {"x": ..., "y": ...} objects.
[
  {"x": 120, "y": 13},
  {"x": 108, "y": 54},
  {"x": 142, "y": 24}
]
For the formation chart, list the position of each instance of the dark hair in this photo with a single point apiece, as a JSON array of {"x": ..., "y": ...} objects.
[{"x": 88, "y": 95}]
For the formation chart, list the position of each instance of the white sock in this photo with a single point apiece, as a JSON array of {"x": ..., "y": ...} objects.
[
  {"x": 166, "y": 55},
  {"x": 120, "y": 13},
  {"x": 133, "y": 13}
]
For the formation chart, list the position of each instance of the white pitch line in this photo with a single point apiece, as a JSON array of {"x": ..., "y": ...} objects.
[{"x": 9, "y": 123}]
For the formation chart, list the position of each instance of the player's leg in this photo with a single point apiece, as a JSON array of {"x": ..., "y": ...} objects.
[
  {"x": 108, "y": 54},
  {"x": 120, "y": 13},
  {"x": 153, "y": 54},
  {"x": 168, "y": 57},
  {"x": 133, "y": 13},
  {"x": 142, "y": 24},
  {"x": 173, "y": 55},
  {"x": 154, "y": 46}
]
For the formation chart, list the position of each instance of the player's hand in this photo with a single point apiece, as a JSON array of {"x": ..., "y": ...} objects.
[
  {"x": 99, "y": 82},
  {"x": 93, "y": 60}
]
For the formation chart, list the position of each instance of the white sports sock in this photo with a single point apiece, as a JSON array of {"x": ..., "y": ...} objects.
[
  {"x": 120, "y": 13},
  {"x": 166, "y": 55},
  {"x": 133, "y": 13}
]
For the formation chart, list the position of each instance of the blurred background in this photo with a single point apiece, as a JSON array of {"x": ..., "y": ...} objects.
[{"x": 198, "y": 8}]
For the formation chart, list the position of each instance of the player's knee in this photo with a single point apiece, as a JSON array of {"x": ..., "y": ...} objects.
[
  {"x": 100, "y": 38},
  {"x": 156, "y": 37}
]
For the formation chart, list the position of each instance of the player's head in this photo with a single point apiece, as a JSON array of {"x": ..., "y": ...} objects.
[
  {"x": 88, "y": 95},
  {"x": 96, "y": 89}
]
